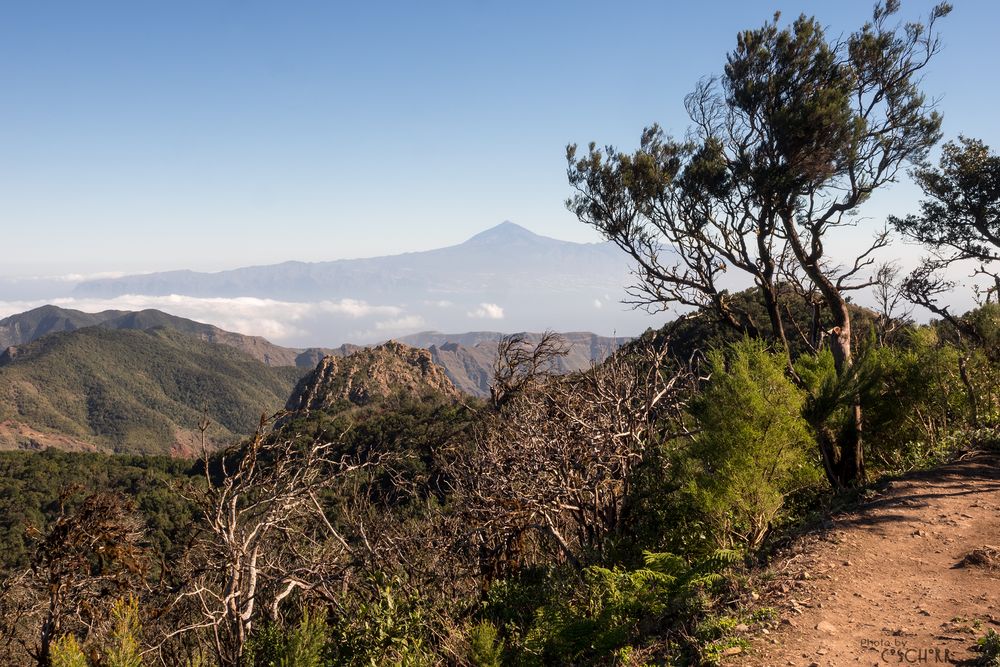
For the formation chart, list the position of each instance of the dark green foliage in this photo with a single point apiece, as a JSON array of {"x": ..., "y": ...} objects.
[
  {"x": 961, "y": 213},
  {"x": 989, "y": 650},
  {"x": 616, "y": 608},
  {"x": 959, "y": 221},
  {"x": 933, "y": 390},
  {"x": 31, "y": 484},
  {"x": 916, "y": 401},
  {"x": 753, "y": 446},
  {"x": 392, "y": 626},
  {"x": 412, "y": 431},
  {"x": 694, "y": 334},
  {"x": 138, "y": 391}
]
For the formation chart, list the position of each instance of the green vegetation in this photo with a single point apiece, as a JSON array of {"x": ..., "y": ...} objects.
[
  {"x": 302, "y": 645},
  {"x": 136, "y": 391},
  {"x": 989, "y": 649},
  {"x": 31, "y": 485},
  {"x": 754, "y": 447},
  {"x": 412, "y": 575},
  {"x": 604, "y": 517},
  {"x": 120, "y": 648}
]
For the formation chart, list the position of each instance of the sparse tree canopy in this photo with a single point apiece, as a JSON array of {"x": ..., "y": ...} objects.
[
  {"x": 961, "y": 215},
  {"x": 796, "y": 134},
  {"x": 959, "y": 219}
]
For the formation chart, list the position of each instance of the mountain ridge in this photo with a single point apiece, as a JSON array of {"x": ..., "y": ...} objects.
[
  {"x": 506, "y": 256},
  {"x": 467, "y": 358},
  {"x": 133, "y": 391},
  {"x": 27, "y": 327}
]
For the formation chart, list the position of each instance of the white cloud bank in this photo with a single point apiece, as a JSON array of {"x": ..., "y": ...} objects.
[
  {"x": 275, "y": 320},
  {"x": 487, "y": 311},
  {"x": 406, "y": 323}
]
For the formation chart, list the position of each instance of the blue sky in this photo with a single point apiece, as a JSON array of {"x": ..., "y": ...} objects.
[{"x": 142, "y": 136}]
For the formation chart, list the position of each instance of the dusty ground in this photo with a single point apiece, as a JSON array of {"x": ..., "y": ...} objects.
[{"x": 888, "y": 583}]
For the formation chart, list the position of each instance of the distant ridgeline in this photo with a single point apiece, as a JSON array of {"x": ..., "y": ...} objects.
[{"x": 143, "y": 382}]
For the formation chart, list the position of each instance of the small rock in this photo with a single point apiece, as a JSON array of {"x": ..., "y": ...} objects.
[{"x": 827, "y": 627}]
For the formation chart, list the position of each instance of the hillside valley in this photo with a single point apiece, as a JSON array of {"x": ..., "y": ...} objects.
[
  {"x": 136, "y": 391},
  {"x": 29, "y": 326},
  {"x": 139, "y": 382},
  {"x": 467, "y": 358}
]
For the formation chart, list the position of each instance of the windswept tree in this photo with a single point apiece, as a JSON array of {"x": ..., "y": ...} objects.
[
  {"x": 519, "y": 363},
  {"x": 784, "y": 146},
  {"x": 959, "y": 221}
]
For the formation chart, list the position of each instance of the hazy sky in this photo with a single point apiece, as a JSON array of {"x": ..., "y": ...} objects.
[{"x": 145, "y": 136}]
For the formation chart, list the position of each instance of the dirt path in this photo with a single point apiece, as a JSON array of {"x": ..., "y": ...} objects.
[{"x": 885, "y": 584}]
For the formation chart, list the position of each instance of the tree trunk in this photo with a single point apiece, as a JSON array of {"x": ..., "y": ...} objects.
[
  {"x": 770, "y": 295},
  {"x": 847, "y": 469},
  {"x": 963, "y": 371},
  {"x": 850, "y": 469}
]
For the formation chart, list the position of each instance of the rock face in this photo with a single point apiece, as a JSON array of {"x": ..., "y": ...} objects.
[{"x": 381, "y": 372}]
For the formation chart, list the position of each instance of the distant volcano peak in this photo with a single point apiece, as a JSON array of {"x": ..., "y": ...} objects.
[{"x": 505, "y": 232}]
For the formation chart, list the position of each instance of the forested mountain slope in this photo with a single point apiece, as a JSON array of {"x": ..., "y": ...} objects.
[
  {"x": 133, "y": 391},
  {"x": 33, "y": 324}
]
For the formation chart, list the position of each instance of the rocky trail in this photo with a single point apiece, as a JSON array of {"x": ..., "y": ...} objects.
[{"x": 910, "y": 577}]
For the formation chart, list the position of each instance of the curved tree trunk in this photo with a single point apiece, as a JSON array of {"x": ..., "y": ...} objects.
[{"x": 845, "y": 465}]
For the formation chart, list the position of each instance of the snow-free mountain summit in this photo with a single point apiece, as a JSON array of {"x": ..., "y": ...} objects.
[
  {"x": 506, "y": 256},
  {"x": 507, "y": 274}
]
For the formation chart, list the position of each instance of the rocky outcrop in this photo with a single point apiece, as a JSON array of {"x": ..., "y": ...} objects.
[{"x": 368, "y": 375}]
